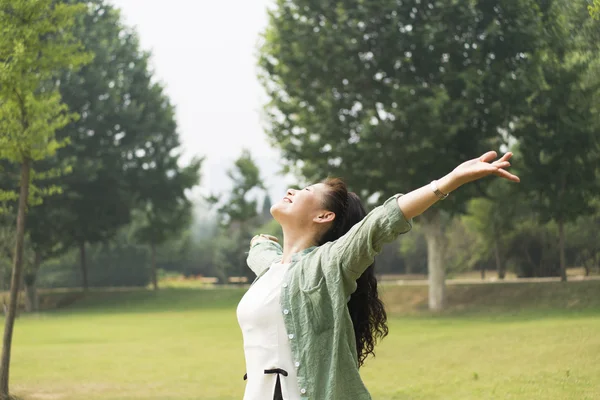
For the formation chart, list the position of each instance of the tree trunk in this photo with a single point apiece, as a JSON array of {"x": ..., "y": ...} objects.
[
  {"x": 83, "y": 265},
  {"x": 561, "y": 250},
  {"x": 499, "y": 264},
  {"x": 434, "y": 236},
  {"x": 15, "y": 279},
  {"x": 482, "y": 272},
  {"x": 154, "y": 277},
  {"x": 32, "y": 303}
]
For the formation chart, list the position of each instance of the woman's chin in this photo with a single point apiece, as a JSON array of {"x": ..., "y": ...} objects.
[{"x": 279, "y": 211}]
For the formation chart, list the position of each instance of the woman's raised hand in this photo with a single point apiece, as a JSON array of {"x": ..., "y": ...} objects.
[{"x": 483, "y": 166}]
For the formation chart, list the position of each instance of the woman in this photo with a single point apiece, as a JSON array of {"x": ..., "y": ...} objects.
[{"x": 312, "y": 315}]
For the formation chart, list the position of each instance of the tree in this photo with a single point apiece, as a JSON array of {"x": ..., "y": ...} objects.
[
  {"x": 531, "y": 247},
  {"x": 491, "y": 219},
  {"x": 165, "y": 211},
  {"x": 163, "y": 208},
  {"x": 558, "y": 137},
  {"x": 36, "y": 40},
  {"x": 584, "y": 238},
  {"x": 485, "y": 218},
  {"x": 118, "y": 142},
  {"x": 40, "y": 232},
  {"x": 239, "y": 213},
  {"x": 44, "y": 229},
  {"x": 413, "y": 249},
  {"x": 390, "y": 95}
]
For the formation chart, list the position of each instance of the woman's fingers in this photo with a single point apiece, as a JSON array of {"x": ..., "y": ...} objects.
[
  {"x": 506, "y": 156},
  {"x": 501, "y": 164},
  {"x": 491, "y": 155},
  {"x": 488, "y": 157},
  {"x": 507, "y": 175}
]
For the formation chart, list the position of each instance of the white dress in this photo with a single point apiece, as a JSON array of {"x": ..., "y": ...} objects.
[{"x": 266, "y": 342}]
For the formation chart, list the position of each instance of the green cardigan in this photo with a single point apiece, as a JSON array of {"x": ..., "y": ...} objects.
[{"x": 314, "y": 296}]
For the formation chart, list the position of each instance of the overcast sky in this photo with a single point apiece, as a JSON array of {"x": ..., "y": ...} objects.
[{"x": 204, "y": 51}]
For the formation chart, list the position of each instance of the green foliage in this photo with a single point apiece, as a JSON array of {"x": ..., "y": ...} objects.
[
  {"x": 125, "y": 146},
  {"x": 399, "y": 91},
  {"x": 558, "y": 139},
  {"x": 109, "y": 94},
  {"x": 558, "y": 136},
  {"x": 245, "y": 178},
  {"x": 118, "y": 263},
  {"x": 583, "y": 240},
  {"x": 531, "y": 248},
  {"x": 36, "y": 41},
  {"x": 464, "y": 250},
  {"x": 489, "y": 220},
  {"x": 164, "y": 210},
  {"x": 594, "y": 9},
  {"x": 239, "y": 216},
  {"x": 413, "y": 249}
]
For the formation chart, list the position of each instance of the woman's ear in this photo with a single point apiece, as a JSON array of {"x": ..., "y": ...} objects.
[{"x": 324, "y": 217}]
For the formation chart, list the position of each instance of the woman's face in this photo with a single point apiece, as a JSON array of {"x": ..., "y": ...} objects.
[{"x": 302, "y": 206}]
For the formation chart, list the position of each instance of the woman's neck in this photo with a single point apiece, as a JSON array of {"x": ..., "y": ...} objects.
[{"x": 295, "y": 241}]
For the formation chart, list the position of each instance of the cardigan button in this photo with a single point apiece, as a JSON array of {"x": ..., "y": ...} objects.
[
  {"x": 297, "y": 363},
  {"x": 291, "y": 335},
  {"x": 286, "y": 311},
  {"x": 303, "y": 391},
  {"x": 285, "y": 285}
]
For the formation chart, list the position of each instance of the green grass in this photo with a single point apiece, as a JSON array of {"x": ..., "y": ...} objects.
[{"x": 539, "y": 343}]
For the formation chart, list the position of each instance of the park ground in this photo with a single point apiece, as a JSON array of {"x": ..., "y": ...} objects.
[{"x": 496, "y": 341}]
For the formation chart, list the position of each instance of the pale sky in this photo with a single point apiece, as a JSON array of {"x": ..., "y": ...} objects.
[{"x": 204, "y": 52}]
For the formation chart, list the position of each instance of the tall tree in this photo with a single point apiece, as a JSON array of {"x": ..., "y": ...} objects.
[
  {"x": 559, "y": 136},
  {"x": 115, "y": 142},
  {"x": 391, "y": 95},
  {"x": 164, "y": 210},
  {"x": 159, "y": 180},
  {"x": 36, "y": 40}
]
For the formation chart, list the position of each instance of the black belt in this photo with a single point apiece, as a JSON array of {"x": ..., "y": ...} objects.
[{"x": 277, "y": 395}]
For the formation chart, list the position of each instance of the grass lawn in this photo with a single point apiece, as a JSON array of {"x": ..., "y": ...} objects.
[{"x": 185, "y": 344}]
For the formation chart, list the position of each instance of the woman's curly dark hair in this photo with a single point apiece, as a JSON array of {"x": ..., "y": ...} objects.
[{"x": 366, "y": 309}]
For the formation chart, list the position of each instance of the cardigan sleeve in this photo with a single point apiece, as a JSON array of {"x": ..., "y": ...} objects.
[
  {"x": 262, "y": 254},
  {"x": 354, "y": 252}
]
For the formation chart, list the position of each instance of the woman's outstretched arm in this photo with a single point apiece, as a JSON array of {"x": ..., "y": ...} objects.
[
  {"x": 356, "y": 250},
  {"x": 416, "y": 202}
]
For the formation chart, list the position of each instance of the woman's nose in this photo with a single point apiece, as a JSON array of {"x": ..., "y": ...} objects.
[{"x": 291, "y": 192}]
